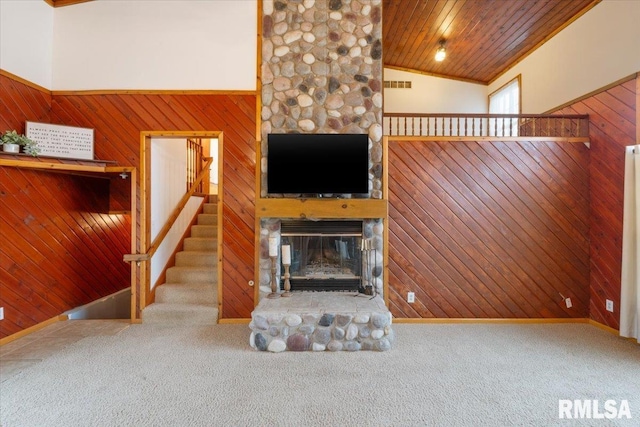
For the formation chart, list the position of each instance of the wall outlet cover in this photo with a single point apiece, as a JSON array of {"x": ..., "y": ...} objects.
[
  {"x": 1, "y": 313},
  {"x": 609, "y": 305},
  {"x": 568, "y": 302},
  {"x": 411, "y": 297}
]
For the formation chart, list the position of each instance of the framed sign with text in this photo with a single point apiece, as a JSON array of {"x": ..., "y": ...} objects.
[{"x": 61, "y": 141}]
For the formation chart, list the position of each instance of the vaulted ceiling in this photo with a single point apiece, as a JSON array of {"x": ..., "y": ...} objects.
[{"x": 483, "y": 38}]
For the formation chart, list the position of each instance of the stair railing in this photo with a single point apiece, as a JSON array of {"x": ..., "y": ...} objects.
[
  {"x": 195, "y": 187},
  {"x": 194, "y": 160}
]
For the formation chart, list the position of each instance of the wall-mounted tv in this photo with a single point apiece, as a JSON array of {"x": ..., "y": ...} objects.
[{"x": 317, "y": 164}]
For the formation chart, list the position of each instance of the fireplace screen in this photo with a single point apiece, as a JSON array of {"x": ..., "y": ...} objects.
[{"x": 325, "y": 255}]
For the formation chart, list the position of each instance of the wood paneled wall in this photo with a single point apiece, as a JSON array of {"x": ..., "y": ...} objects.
[
  {"x": 56, "y": 251},
  {"x": 488, "y": 229},
  {"x": 118, "y": 120},
  {"x": 612, "y": 117},
  {"x": 20, "y": 103},
  {"x": 54, "y": 259}
]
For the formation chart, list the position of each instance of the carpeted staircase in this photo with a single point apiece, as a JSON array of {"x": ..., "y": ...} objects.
[{"x": 189, "y": 295}]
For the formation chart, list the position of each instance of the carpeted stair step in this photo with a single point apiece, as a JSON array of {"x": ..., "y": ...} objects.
[
  {"x": 180, "y": 314},
  {"x": 210, "y": 208},
  {"x": 187, "y": 293},
  {"x": 191, "y": 275},
  {"x": 204, "y": 231},
  {"x": 207, "y": 219},
  {"x": 196, "y": 259},
  {"x": 200, "y": 244}
]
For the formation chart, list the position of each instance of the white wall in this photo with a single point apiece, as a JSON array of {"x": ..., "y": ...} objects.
[
  {"x": 168, "y": 185},
  {"x": 599, "y": 48},
  {"x": 152, "y": 44},
  {"x": 26, "y": 33},
  {"x": 430, "y": 94}
]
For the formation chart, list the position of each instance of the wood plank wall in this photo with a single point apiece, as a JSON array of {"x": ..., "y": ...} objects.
[
  {"x": 74, "y": 229},
  {"x": 612, "y": 116},
  {"x": 488, "y": 229},
  {"x": 56, "y": 250},
  {"x": 118, "y": 120}
]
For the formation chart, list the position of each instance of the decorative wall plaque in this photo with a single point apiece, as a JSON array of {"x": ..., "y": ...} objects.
[{"x": 61, "y": 141}]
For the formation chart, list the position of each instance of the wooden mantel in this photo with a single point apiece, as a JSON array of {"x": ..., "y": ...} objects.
[{"x": 321, "y": 208}]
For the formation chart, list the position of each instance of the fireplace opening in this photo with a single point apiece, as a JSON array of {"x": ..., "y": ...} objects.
[{"x": 325, "y": 255}]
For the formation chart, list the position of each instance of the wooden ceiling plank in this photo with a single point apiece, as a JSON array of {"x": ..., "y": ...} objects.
[
  {"x": 490, "y": 30},
  {"x": 406, "y": 19},
  {"x": 428, "y": 14},
  {"x": 479, "y": 49},
  {"x": 538, "y": 22},
  {"x": 460, "y": 44},
  {"x": 459, "y": 47},
  {"x": 430, "y": 42},
  {"x": 418, "y": 40}
]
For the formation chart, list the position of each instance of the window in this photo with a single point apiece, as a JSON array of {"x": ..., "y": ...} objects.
[{"x": 505, "y": 100}]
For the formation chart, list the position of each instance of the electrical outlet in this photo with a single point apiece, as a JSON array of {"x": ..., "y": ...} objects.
[
  {"x": 1, "y": 313},
  {"x": 411, "y": 297},
  {"x": 568, "y": 302},
  {"x": 610, "y": 305}
]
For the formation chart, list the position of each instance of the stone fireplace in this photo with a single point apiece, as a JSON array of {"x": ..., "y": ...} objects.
[
  {"x": 321, "y": 73},
  {"x": 326, "y": 255}
]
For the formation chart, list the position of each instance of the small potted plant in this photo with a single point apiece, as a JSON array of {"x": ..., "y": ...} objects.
[{"x": 12, "y": 140}]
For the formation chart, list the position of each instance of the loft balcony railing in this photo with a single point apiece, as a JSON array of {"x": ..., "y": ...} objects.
[{"x": 486, "y": 125}]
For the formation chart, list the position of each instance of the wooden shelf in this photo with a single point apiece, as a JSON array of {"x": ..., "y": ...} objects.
[{"x": 62, "y": 165}]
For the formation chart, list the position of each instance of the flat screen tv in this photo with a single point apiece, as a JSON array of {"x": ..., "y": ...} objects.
[{"x": 317, "y": 164}]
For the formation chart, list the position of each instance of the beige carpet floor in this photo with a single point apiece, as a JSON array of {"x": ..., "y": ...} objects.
[{"x": 436, "y": 375}]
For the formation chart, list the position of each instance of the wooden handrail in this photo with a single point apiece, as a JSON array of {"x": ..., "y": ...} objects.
[{"x": 204, "y": 172}]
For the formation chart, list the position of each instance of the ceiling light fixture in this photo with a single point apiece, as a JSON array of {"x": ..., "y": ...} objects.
[{"x": 441, "y": 53}]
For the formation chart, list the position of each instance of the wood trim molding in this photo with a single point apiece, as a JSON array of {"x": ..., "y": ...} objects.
[
  {"x": 24, "y": 82},
  {"x": 603, "y": 327},
  {"x": 219, "y": 204},
  {"x": 63, "y": 3},
  {"x": 425, "y": 73},
  {"x": 125, "y": 91},
  {"x": 513, "y": 321},
  {"x": 144, "y": 287},
  {"x": 150, "y": 92},
  {"x": 234, "y": 321},
  {"x": 400, "y": 138},
  {"x": 546, "y": 39},
  {"x": 258, "y": 168},
  {"x": 637, "y": 108},
  {"x": 517, "y": 78},
  {"x": 32, "y": 329},
  {"x": 595, "y": 92}
]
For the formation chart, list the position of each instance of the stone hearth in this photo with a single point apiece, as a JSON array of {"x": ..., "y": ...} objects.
[{"x": 321, "y": 321}]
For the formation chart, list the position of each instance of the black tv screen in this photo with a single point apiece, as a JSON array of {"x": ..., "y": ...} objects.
[{"x": 317, "y": 164}]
